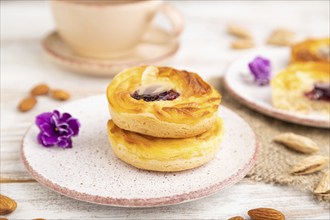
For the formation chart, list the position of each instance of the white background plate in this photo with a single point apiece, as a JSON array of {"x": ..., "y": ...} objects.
[
  {"x": 239, "y": 82},
  {"x": 91, "y": 172}
]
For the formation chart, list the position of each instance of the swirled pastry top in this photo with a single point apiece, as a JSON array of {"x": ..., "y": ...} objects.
[
  {"x": 302, "y": 76},
  {"x": 147, "y": 147},
  {"x": 317, "y": 50},
  {"x": 193, "y": 99}
]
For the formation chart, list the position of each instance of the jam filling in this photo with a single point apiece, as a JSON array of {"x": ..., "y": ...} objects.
[
  {"x": 321, "y": 91},
  {"x": 164, "y": 96}
]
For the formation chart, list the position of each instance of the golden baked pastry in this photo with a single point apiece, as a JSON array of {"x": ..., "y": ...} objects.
[
  {"x": 303, "y": 87},
  {"x": 166, "y": 155},
  {"x": 317, "y": 50},
  {"x": 162, "y": 102}
]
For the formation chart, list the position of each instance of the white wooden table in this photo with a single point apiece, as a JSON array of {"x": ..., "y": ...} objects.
[{"x": 204, "y": 49}]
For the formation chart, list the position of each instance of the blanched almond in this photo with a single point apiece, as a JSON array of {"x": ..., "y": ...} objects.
[
  {"x": 281, "y": 37},
  {"x": 324, "y": 185},
  {"x": 242, "y": 44},
  {"x": 309, "y": 165},
  {"x": 238, "y": 31},
  {"x": 149, "y": 74},
  {"x": 297, "y": 142}
]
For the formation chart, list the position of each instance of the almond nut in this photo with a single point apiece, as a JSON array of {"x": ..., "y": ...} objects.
[
  {"x": 281, "y": 37},
  {"x": 298, "y": 143},
  {"x": 238, "y": 31},
  {"x": 265, "y": 214},
  {"x": 309, "y": 165},
  {"x": 59, "y": 94},
  {"x": 7, "y": 205},
  {"x": 27, "y": 104},
  {"x": 242, "y": 44},
  {"x": 41, "y": 89},
  {"x": 324, "y": 186},
  {"x": 236, "y": 218},
  {"x": 149, "y": 74}
]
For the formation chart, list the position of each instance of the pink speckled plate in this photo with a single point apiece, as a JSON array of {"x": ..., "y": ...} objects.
[
  {"x": 239, "y": 83},
  {"x": 163, "y": 47},
  {"x": 91, "y": 172}
]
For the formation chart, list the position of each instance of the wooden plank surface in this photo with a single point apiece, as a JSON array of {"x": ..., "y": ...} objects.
[
  {"x": 204, "y": 49},
  {"x": 35, "y": 201}
]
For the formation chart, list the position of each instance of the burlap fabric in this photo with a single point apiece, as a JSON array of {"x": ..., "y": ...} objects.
[{"x": 275, "y": 160}]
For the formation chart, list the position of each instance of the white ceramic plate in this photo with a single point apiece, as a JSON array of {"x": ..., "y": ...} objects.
[
  {"x": 91, "y": 172},
  {"x": 239, "y": 83}
]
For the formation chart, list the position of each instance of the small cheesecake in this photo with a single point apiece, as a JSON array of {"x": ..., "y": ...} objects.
[
  {"x": 165, "y": 155},
  {"x": 162, "y": 102},
  {"x": 303, "y": 87}
]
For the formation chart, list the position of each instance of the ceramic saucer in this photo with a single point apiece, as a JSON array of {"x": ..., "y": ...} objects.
[
  {"x": 162, "y": 47},
  {"x": 239, "y": 83},
  {"x": 91, "y": 172}
]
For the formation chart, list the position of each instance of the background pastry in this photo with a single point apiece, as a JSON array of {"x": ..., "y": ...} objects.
[
  {"x": 303, "y": 87},
  {"x": 158, "y": 154},
  {"x": 162, "y": 102},
  {"x": 311, "y": 50}
]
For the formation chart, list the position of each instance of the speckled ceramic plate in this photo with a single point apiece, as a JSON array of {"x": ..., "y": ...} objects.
[
  {"x": 239, "y": 83},
  {"x": 91, "y": 172},
  {"x": 162, "y": 47}
]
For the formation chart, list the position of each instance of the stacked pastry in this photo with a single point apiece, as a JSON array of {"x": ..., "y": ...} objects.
[
  {"x": 163, "y": 119},
  {"x": 304, "y": 86}
]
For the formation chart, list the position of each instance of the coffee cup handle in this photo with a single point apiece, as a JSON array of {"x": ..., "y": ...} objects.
[
  {"x": 157, "y": 35},
  {"x": 175, "y": 18}
]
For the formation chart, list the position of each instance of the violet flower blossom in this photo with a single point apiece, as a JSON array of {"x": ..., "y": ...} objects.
[
  {"x": 56, "y": 129},
  {"x": 261, "y": 70}
]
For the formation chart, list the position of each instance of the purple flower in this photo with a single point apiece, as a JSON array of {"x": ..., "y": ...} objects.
[
  {"x": 261, "y": 70},
  {"x": 56, "y": 129}
]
